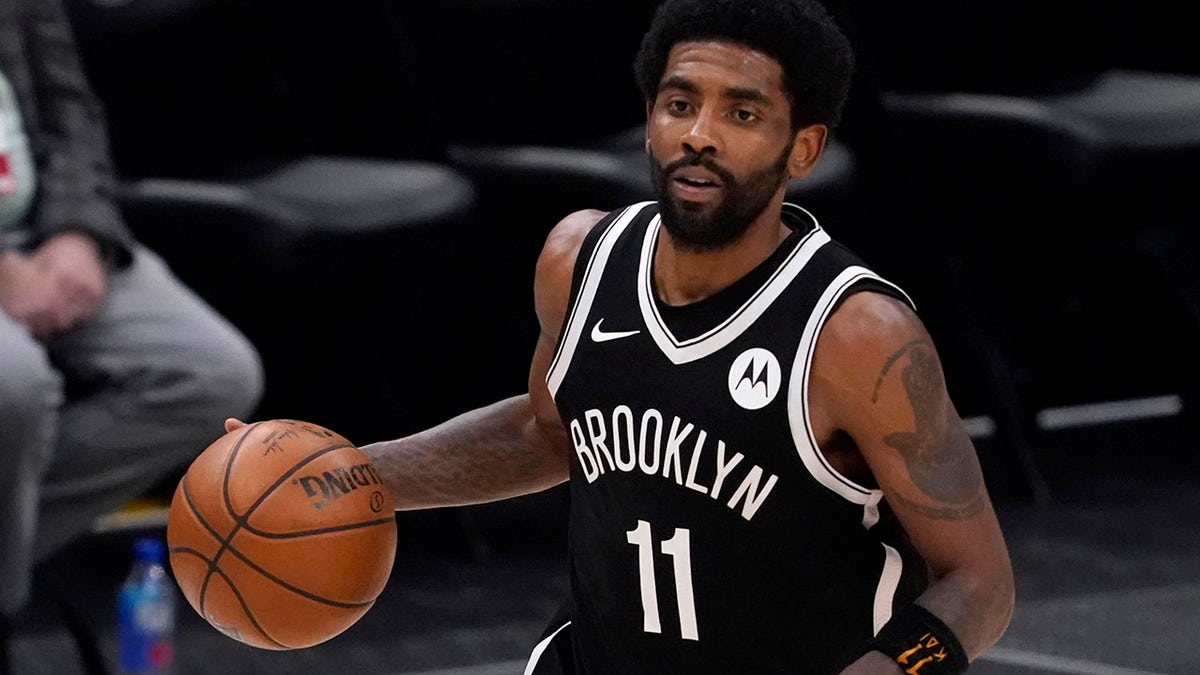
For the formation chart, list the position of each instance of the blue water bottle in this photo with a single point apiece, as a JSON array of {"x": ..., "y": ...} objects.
[{"x": 146, "y": 612}]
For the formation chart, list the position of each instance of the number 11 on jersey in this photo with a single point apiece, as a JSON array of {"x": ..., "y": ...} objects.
[{"x": 680, "y": 549}]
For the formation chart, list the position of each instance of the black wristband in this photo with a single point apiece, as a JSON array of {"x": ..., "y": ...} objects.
[{"x": 921, "y": 643}]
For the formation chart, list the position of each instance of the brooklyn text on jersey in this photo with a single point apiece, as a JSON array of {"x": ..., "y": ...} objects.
[{"x": 625, "y": 441}]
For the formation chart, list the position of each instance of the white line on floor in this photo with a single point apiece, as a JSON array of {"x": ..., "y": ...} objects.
[{"x": 1056, "y": 664}]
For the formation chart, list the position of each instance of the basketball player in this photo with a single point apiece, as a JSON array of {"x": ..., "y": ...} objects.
[{"x": 766, "y": 472}]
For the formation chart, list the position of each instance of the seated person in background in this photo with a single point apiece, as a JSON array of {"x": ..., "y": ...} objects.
[{"x": 113, "y": 374}]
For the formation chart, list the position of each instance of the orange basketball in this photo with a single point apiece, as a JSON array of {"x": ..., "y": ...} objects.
[{"x": 281, "y": 534}]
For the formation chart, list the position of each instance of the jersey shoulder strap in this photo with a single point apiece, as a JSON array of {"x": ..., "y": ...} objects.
[{"x": 589, "y": 267}]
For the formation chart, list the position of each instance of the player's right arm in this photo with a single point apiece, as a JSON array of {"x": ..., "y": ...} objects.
[{"x": 513, "y": 447}]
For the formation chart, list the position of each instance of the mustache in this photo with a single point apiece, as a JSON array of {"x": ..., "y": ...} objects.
[{"x": 699, "y": 159}]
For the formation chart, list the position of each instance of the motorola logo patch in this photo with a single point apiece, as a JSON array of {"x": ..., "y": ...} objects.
[{"x": 754, "y": 378}]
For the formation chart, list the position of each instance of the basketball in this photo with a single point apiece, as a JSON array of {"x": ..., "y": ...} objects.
[{"x": 281, "y": 534}]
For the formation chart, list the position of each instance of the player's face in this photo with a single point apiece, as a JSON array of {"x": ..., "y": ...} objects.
[{"x": 720, "y": 141}]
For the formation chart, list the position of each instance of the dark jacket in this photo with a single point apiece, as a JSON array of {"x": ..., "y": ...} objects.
[{"x": 65, "y": 125}]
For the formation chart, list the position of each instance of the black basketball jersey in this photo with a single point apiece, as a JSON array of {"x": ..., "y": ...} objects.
[{"x": 707, "y": 533}]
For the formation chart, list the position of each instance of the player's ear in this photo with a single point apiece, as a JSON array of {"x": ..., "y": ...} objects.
[{"x": 806, "y": 149}]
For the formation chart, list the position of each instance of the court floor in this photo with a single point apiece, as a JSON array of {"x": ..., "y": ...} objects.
[{"x": 1108, "y": 580}]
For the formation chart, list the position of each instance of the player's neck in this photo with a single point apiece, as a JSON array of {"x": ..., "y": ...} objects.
[{"x": 683, "y": 275}]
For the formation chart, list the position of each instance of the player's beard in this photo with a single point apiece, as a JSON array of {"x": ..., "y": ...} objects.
[{"x": 701, "y": 227}]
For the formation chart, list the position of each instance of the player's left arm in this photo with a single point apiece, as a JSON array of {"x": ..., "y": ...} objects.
[{"x": 881, "y": 382}]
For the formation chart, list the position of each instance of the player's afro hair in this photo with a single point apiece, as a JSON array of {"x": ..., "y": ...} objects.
[{"x": 800, "y": 35}]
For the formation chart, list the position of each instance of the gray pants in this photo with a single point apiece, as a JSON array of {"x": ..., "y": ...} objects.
[{"x": 105, "y": 412}]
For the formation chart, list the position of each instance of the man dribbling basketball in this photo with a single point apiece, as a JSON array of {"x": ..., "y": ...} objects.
[{"x": 766, "y": 472}]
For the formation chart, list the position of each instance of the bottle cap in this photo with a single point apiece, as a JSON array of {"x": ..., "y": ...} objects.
[{"x": 148, "y": 549}]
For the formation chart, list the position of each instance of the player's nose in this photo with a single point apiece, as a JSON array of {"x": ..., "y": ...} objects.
[{"x": 702, "y": 135}]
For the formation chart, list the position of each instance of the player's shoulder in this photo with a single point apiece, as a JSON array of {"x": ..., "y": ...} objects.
[
  {"x": 569, "y": 233},
  {"x": 565, "y": 240},
  {"x": 868, "y": 335},
  {"x": 556, "y": 264},
  {"x": 868, "y": 322}
]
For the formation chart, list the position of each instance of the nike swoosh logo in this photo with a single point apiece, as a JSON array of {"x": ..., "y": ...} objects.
[{"x": 604, "y": 336}]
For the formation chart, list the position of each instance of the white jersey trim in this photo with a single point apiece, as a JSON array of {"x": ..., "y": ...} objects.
[
  {"x": 587, "y": 293},
  {"x": 536, "y": 655},
  {"x": 885, "y": 592},
  {"x": 798, "y": 405},
  {"x": 685, "y": 351}
]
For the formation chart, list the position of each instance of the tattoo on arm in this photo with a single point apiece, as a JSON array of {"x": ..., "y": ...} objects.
[
  {"x": 939, "y": 455},
  {"x": 476, "y": 457},
  {"x": 457, "y": 474},
  {"x": 887, "y": 366},
  {"x": 946, "y": 512}
]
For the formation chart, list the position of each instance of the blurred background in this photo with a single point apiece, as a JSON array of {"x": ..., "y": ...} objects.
[{"x": 363, "y": 187}]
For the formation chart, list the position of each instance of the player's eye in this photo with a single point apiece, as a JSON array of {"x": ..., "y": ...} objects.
[
  {"x": 678, "y": 106},
  {"x": 743, "y": 115}
]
